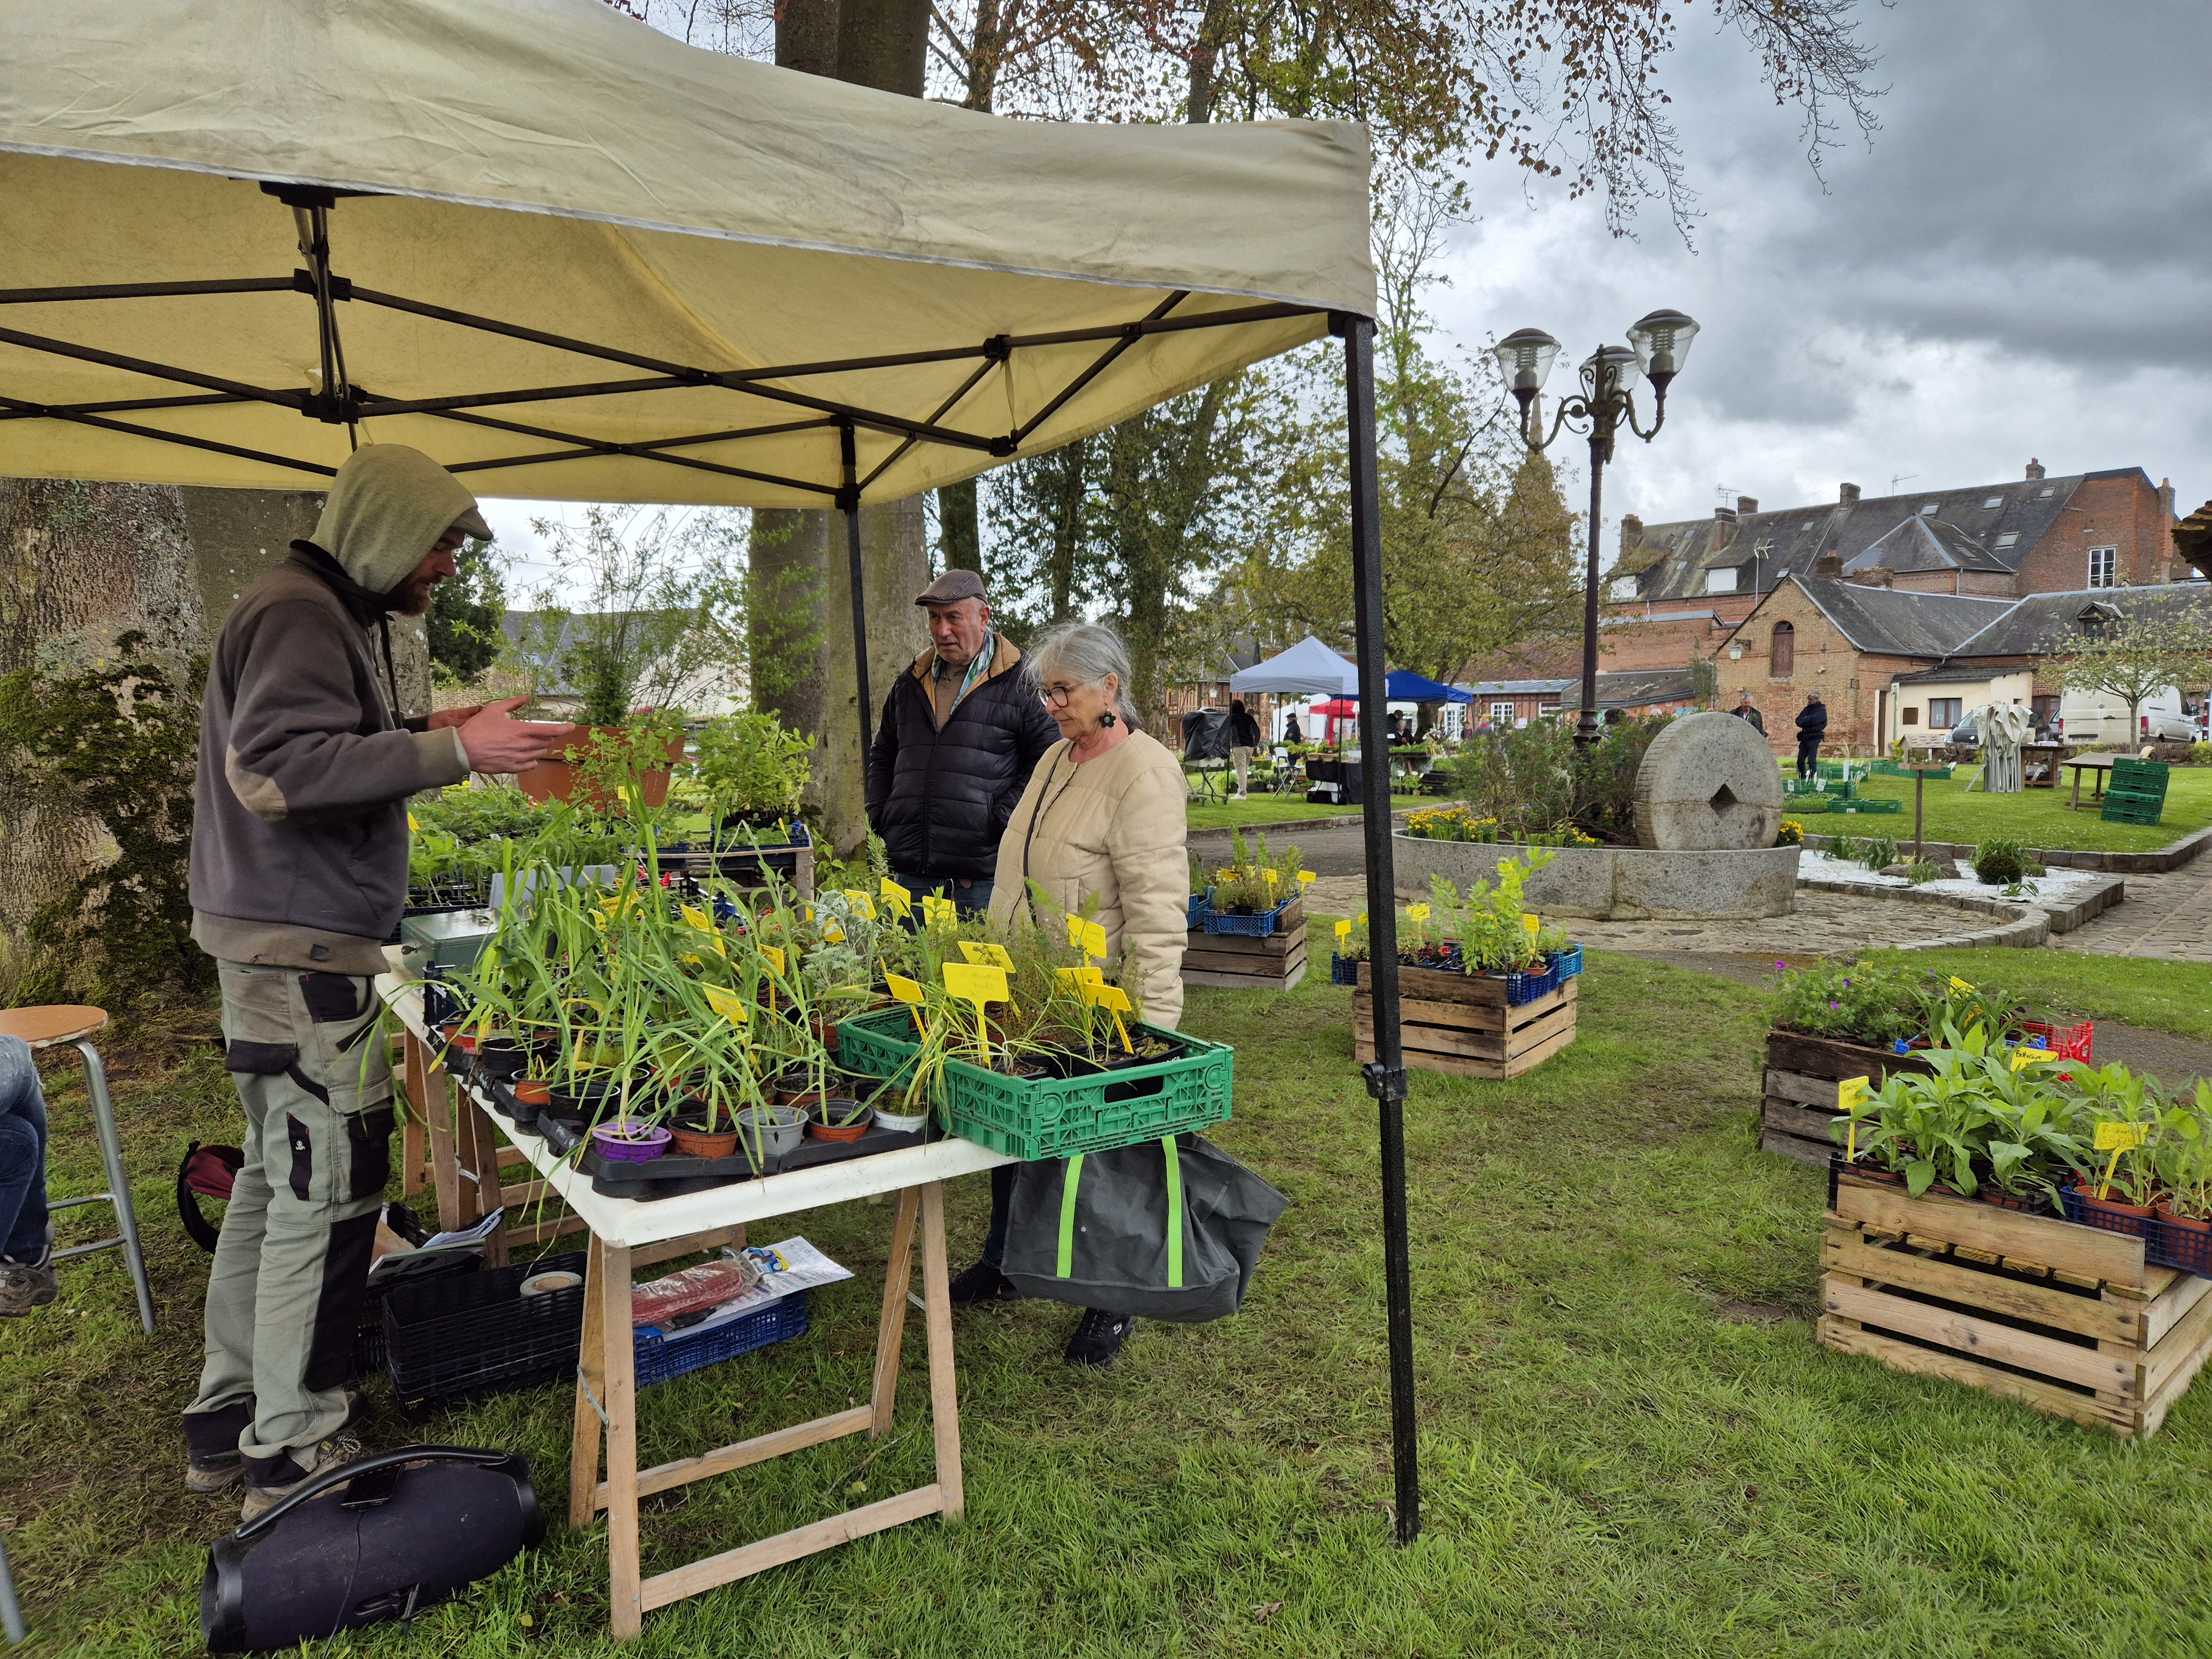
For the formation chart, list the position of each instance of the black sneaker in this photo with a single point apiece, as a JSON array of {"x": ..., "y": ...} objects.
[
  {"x": 268, "y": 1480},
  {"x": 213, "y": 1462},
  {"x": 981, "y": 1283},
  {"x": 1098, "y": 1338}
]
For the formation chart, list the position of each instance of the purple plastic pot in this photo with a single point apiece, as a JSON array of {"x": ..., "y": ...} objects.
[{"x": 633, "y": 1146}]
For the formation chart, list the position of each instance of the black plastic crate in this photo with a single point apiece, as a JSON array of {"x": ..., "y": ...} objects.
[{"x": 476, "y": 1334}]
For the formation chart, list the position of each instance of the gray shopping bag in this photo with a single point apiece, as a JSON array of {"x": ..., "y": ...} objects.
[{"x": 1168, "y": 1228}]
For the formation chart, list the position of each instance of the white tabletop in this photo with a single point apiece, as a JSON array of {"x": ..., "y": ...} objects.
[{"x": 629, "y": 1221}]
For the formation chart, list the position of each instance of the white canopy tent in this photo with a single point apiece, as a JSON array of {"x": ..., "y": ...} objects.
[
  {"x": 1306, "y": 669},
  {"x": 573, "y": 259}
]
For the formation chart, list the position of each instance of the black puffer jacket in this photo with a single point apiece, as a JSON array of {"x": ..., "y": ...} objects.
[
  {"x": 940, "y": 800},
  {"x": 1812, "y": 722}
]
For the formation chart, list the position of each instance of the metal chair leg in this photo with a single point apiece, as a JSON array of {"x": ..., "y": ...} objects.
[
  {"x": 119, "y": 1179},
  {"x": 11, "y": 1611}
]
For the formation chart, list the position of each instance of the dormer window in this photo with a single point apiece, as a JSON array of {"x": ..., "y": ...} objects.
[
  {"x": 1994, "y": 501},
  {"x": 1724, "y": 580},
  {"x": 2045, "y": 493},
  {"x": 2008, "y": 539},
  {"x": 1626, "y": 587},
  {"x": 1929, "y": 511}
]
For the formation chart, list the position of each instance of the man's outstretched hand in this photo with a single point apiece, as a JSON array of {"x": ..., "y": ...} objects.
[{"x": 498, "y": 744}]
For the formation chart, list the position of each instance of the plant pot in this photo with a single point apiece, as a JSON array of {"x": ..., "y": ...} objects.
[
  {"x": 2195, "y": 1225},
  {"x": 904, "y": 1123},
  {"x": 533, "y": 1091},
  {"x": 825, "y": 1122},
  {"x": 2113, "y": 1205},
  {"x": 771, "y": 1129},
  {"x": 1888, "y": 1177},
  {"x": 801, "y": 1100},
  {"x": 633, "y": 1143},
  {"x": 503, "y": 1057},
  {"x": 701, "y": 1143},
  {"x": 2005, "y": 1200},
  {"x": 559, "y": 780}
]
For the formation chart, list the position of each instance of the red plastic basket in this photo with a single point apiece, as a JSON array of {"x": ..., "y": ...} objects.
[{"x": 2071, "y": 1041}]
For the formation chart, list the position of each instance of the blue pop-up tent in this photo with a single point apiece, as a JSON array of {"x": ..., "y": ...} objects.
[{"x": 1404, "y": 685}]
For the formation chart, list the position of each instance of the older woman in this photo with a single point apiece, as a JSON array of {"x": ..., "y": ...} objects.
[{"x": 1102, "y": 817}]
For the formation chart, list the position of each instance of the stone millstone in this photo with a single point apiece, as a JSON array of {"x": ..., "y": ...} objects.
[{"x": 1708, "y": 784}]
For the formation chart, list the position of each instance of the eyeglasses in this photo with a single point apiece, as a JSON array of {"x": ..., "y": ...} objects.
[{"x": 1056, "y": 696}]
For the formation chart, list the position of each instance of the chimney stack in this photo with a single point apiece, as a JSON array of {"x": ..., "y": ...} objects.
[
  {"x": 1632, "y": 530},
  {"x": 2166, "y": 498},
  {"x": 1874, "y": 575},
  {"x": 2035, "y": 469},
  {"x": 1829, "y": 566},
  {"x": 1745, "y": 506},
  {"x": 1723, "y": 527},
  {"x": 1846, "y": 495}
]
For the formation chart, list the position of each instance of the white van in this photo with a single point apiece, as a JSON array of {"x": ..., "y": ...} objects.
[{"x": 2098, "y": 717}]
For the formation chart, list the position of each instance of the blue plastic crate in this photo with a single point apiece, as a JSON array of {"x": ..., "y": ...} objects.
[
  {"x": 1198, "y": 910},
  {"x": 1527, "y": 988},
  {"x": 1343, "y": 972},
  {"x": 2169, "y": 1246},
  {"x": 1566, "y": 964},
  {"x": 661, "y": 1357},
  {"x": 1258, "y": 927}
]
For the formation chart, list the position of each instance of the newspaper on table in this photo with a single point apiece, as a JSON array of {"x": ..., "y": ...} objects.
[{"x": 786, "y": 1268}]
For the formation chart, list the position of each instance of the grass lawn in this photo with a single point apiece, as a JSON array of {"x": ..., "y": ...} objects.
[
  {"x": 1277, "y": 809},
  {"x": 1631, "y": 1445},
  {"x": 2037, "y": 816}
]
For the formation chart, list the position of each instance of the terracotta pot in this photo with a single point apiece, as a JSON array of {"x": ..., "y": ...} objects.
[
  {"x": 823, "y": 1124},
  {"x": 800, "y": 1100},
  {"x": 557, "y": 780},
  {"x": 533, "y": 1091},
  {"x": 698, "y": 1143},
  {"x": 2004, "y": 1200},
  {"x": 2194, "y": 1224},
  {"x": 2113, "y": 1205}
]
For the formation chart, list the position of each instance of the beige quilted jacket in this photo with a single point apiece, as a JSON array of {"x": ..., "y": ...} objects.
[{"x": 1113, "y": 826}]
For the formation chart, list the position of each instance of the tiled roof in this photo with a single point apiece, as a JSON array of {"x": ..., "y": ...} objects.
[
  {"x": 1895, "y": 623},
  {"x": 2045, "y": 623},
  {"x": 1921, "y": 544}
]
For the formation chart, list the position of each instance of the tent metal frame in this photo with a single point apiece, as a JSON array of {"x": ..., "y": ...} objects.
[{"x": 341, "y": 402}]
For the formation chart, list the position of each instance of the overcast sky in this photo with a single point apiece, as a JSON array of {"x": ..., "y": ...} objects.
[{"x": 2021, "y": 264}]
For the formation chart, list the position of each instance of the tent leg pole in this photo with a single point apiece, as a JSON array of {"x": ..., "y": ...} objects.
[
  {"x": 1385, "y": 1075},
  {"x": 848, "y": 500}
]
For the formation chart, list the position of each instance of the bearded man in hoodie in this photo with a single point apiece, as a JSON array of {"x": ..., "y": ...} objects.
[{"x": 299, "y": 873}]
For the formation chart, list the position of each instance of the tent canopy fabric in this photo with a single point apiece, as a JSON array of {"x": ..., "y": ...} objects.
[
  {"x": 572, "y": 258},
  {"x": 1404, "y": 685},
  {"x": 1306, "y": 669}
]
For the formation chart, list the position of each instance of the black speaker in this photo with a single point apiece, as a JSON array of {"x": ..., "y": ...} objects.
[{"x": 411, "y": 1526}]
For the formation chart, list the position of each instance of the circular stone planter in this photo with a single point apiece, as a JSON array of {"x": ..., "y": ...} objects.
[{"x": 1614, "y": 883}]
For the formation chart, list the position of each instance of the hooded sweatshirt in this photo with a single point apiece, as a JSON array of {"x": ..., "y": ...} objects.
[{"x": 299, "y": 822}]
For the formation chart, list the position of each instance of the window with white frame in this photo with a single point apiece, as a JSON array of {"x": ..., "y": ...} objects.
[
  {"x": 2104, "y": 565},
  {"x": 1720, "y": 581},
  {"x": 1501, "y": 711}
]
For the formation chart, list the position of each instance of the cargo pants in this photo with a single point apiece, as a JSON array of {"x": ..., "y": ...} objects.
[{"x": 291, "y": 1265}]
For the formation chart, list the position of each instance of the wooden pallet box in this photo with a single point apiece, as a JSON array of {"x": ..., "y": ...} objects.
[
  {"x": 1460, "y": 1023},
  {"x": 2067, "y": 1319},
  {"x": 1801, "y": 1074},
  {"x": 1238, "y": 961}
]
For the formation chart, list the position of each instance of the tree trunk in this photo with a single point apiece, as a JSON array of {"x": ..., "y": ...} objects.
[
  {"x": 85, "y": 564},
  {"x": 959, "y": 532},
  {"x": 798, "y": 557}
]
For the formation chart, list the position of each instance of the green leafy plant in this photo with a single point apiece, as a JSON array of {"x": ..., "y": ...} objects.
[{"x": 750, "y": 767}]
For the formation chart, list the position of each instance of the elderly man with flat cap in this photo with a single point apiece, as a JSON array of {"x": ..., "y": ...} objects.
[
  {"x": 960, "y": 735},
  {"x": 299, "y": 873}
]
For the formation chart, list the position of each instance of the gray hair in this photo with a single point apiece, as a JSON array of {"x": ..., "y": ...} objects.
[{"x": 1087, "y": 652}]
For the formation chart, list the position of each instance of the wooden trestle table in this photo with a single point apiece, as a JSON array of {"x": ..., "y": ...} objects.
[{"x": 624, "y": 1233}]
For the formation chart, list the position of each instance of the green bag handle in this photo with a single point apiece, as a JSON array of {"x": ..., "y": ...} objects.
[{"x": 1066, "y": 1263}]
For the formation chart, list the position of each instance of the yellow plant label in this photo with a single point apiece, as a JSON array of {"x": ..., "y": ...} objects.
[
  {"x": 773, "y": 955},
  {"x": 1344, "y": 930},
  {"x": 1417, "y": 913},
  {"x": 412, "y": 825},
  {"x": 1084, "y": 980},
  {"x": 832, "y": 933},
  {"x": 977, "y": 982},
  {"x": 1306, "y": 877},
  {"x": 1116, "y": 1000},
  {"x": 2022, "y": 1058},
  {"x": 861, "y": 902},
  {"x": 1090, "y": 935},
  {"x": 1849, "y": 1092},
  {"x": 1534, "y": 923},
  {"x": 1269, "y": 876},
  {"x": 1962, "y": 986},
  {"x": 729, "y": 1005},
  {"x": 986, "y": 956},
  {"x": 905, "y": 989},
  {"x": 698, "y": 918},
  {"x": 901, "y": 901},
  {"x": 2120, "y": 1137},
  {"x": 934, "y": 910}
]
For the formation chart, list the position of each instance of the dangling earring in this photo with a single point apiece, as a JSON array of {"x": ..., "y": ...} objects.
[{"x": 1106, "y": 719}]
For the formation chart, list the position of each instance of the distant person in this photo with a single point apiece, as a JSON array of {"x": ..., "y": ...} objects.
[
  {"x": 1291, "y": 731},
  {"x": 1397, "y": 729},
  {"x": 1243, "y": 738},
  {"x": 28, "y": 1279},
  {"x": 1811, "y": 726},
  {"x": 1747, "y": 710},
  {"x": 1101, "y": 823},
  {"x": 959, "y": 737}
]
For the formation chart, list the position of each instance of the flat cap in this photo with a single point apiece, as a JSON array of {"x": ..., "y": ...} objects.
[{"x": 952, "y": 588}]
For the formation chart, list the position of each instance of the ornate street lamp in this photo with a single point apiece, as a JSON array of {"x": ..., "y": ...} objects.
[{"x": 1656, "y": 347}]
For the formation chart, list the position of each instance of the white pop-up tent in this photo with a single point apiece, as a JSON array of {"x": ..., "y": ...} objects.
[
  {"x": 573, "y": 259},
  {"x": 1308, "y": 669}
]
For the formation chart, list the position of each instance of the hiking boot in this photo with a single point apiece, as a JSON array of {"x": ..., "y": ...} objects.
[
  {"x": 981, "y": 1283},
  {"x": 269, "y": 1480},
  {"x": 213, "y": 1462},
  {"x": 1098, "y": 1338},
  {"x": 28, "y": 1284}
]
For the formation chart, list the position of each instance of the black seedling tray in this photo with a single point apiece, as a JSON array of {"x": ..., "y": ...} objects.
[{"x": 671, "y": 1173}]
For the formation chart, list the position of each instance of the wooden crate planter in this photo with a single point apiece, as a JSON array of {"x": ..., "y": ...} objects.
[
  {"x": 1238, "y": 961},
  {"x": 1801, "y": 1074},
  {"x": 2069, "y": 1320},
  {"x": 1459, "y": 1024}
]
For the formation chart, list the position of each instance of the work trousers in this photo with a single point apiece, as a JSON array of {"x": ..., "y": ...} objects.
[
  {"x": 1809, "y": 757},
  {"x": 22, "y": 1154},
  {"x": 291, "y": 1267},
  {"x": 1240, "y": 762}
]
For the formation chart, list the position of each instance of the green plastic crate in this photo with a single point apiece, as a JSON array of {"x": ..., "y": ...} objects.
[
  {"x": 1057, "y": 1117},
  {"x": 2132, "y": 809},
  {"x": 1866, "y": 806}
]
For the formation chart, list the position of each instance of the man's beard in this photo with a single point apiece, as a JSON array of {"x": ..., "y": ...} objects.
[{"x": 414, "y": 595}]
